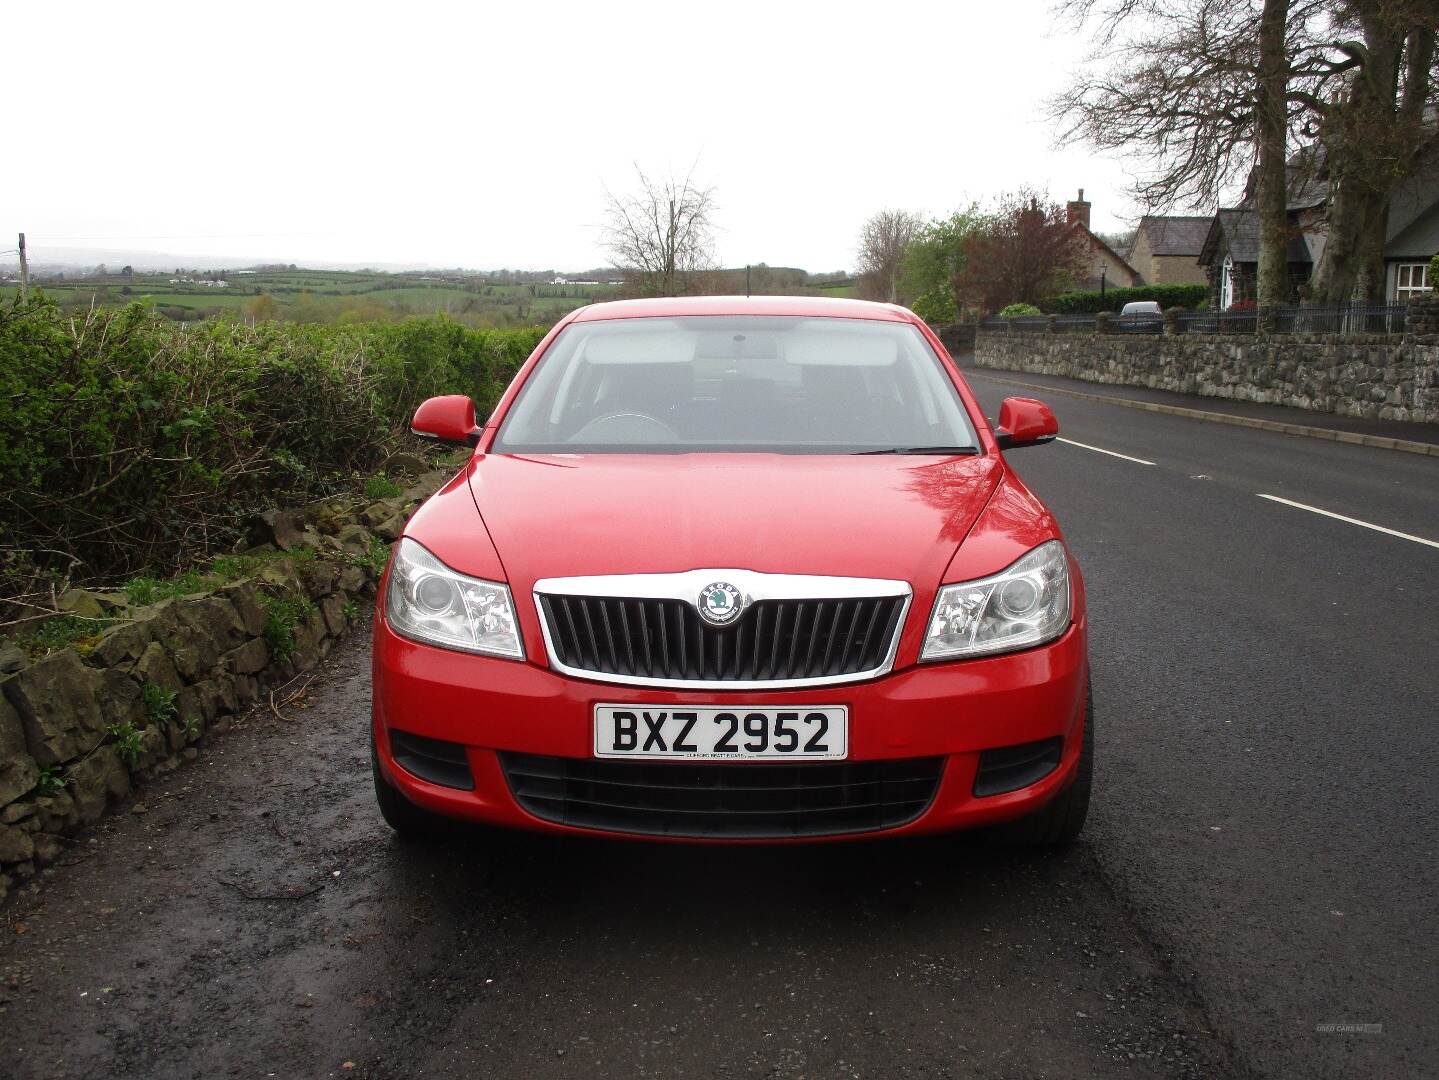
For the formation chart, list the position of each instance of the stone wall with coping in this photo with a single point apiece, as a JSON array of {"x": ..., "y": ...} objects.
[
  {"x": 1375, "y": 377},
  {"x": 200, "y": 659}
]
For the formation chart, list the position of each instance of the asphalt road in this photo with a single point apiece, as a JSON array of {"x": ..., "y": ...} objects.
[
  {"x": 1268, "y": 684},
  {"x": 1259, "y": 863}
]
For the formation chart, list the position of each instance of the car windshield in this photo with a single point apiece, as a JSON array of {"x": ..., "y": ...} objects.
[{"x": 736, "y": 384}]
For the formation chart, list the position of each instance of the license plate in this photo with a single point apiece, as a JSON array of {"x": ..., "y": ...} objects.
[{"x": 723, "y": 733}]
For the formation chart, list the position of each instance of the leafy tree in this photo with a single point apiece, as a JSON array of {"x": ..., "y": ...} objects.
[{"x": 933, "y": 263}]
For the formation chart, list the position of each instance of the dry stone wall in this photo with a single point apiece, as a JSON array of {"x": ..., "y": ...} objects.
[
  {"x": 1375, "y": 377},
  {"x": 82, "y": 727}
]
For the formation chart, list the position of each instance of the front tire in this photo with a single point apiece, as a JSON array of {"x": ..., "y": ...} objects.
[
  {"x": 407, "y": 820},
  {"x": 1060, "y": 821}
]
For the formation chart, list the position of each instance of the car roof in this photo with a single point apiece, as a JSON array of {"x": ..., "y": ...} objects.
[{"x": 803, "y": 306}]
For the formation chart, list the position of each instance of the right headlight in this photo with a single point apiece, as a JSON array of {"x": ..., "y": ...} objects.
[
  {"x": 1026, "y": 604},
  {"x": 427, "y": 601}
]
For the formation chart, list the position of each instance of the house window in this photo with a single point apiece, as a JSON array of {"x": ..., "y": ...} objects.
[{"x": 1412, "y": 279}]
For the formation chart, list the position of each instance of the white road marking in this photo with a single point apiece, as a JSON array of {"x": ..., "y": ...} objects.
[
  {"x": 1101, "y": 450},
  {"x": 1350, "y": 520}
]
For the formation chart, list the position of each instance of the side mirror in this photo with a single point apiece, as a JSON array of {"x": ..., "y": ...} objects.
[
  {"x": 1024, "y": 421},
  {"x": 448, "y": 419}
]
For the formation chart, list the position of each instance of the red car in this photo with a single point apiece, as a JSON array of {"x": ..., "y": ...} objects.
[{"x": 735, "y": 569}]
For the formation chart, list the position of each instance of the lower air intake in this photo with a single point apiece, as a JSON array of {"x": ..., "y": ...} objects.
[{"x": 724, "y": 800}]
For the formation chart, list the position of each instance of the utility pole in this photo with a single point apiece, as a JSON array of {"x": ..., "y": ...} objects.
[
  {"x": 24, "y": 271},
  {"x": 746, "y": 280}
]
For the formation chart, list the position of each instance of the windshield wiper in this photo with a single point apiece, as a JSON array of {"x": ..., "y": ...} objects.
[{"x": 921, "y": 450}]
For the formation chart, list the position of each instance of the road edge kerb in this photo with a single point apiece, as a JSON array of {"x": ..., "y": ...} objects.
[{"x": 1355, "y": 438}]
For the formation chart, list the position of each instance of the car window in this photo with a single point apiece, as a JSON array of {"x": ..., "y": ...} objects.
[{"x": 736, "y": 383}]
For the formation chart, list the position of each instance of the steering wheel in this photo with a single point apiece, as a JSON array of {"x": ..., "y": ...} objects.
[{"x": 626, "y": 427}]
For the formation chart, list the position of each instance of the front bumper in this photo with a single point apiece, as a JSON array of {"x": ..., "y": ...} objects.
[{"x": 953, "y": 710}]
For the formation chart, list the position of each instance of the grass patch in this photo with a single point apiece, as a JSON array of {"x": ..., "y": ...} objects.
[
  {"x": 282, "y": 615},
  {"x": 376, "y": 558},
  {"x": 66, "y": 632},
  {"x": 382, "y": 487},
  {"x": 143, "y": 591},
  {"x": 223, "y": 570}
]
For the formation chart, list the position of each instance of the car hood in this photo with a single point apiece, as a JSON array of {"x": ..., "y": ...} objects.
[{"x": 854, "y": 516}]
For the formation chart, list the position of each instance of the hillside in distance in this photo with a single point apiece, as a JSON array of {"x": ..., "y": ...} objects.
[{"x": 475, "y": 298}]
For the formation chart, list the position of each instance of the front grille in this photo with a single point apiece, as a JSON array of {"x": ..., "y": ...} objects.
[
  {"x": 773, "y": 640},
  {"x": 723, "y": 800}
]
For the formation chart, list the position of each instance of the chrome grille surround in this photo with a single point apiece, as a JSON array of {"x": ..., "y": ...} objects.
[{"x": 755, "y": 588}]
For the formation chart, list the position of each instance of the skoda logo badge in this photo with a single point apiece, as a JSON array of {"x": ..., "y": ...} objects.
[{"x": 720, "y": 603}]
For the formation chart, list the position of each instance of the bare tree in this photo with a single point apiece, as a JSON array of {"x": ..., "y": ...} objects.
[
  {"x": 1371, "y": 99},
  {"x": 883, "y": 242},
  {"x": 662, "y": 233},
  {"x": 1025, "y": 252},
  {"x": 1207, "y": 91},
  {"x": 1198, "y": 90},
  {"x": 1172, "y": 85},
  {"x": 1271, "y": 139}
]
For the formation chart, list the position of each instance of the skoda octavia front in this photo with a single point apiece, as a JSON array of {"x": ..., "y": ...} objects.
[{"x": 735, "y": 569}]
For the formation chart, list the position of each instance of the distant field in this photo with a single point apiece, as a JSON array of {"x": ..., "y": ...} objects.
[
  {"x": 336, "y": 295},
  {"x": 324, "y": 295}
]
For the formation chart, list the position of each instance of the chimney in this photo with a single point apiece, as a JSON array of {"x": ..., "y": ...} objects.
[{"x": 1078, "y": 210}]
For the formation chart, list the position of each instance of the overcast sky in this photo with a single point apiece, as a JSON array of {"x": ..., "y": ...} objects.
[{"x": 483, "y": 135}]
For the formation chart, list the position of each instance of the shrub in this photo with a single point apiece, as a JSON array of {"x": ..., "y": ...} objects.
[
  {"x": 1089, "y": 303},
  {"x": 936, "y": 306},
  {"x": 159, "y": 704},
  {"x": 128, "y": 741},
  {"x": 1015, "y": 311},
  {"x": 1434, "y": 275},
  {"x": 132, "y": 443}
]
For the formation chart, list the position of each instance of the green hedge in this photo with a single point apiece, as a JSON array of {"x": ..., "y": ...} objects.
[
  {"x": 128, "y": 442},
  {"x": 1088, "y": 303}
]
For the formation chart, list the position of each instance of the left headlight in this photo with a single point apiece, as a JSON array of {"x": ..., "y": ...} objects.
[
  {"x": 1026, "y": 604},
  {"x": 427, "y": 601}
]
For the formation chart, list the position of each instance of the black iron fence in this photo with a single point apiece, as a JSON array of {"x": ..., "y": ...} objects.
[{"x": 1343, "y": 319}]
